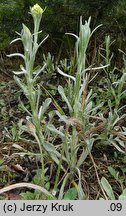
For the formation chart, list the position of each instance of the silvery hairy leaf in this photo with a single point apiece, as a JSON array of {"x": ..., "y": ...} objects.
[
  {"x": 62, "y": 93},
  {"x": 24, "y": 108},
  {"x": 81, "y": 194},
  {"x": 64, "y": 74},
  {"x": 116, "y": 145},
  {"x": 63, "y": 118},
  {"x": 53, "y": 129},
  {"x": 53, "y": 152},
  {"x": 21, "y": 84},
  {"x": 17, "y": 54},
  {"x": 61, "y": 192},
  {"x": 38, "y": 71},
  {"x": 107, "y": 188},
  {"x": 44, "y": 108},
  {"x": 85, "y": 151},
  {"x": 18, "y": 72},
  {"x": 43, "y": 41},
  {"x": 17, "y": 39}
]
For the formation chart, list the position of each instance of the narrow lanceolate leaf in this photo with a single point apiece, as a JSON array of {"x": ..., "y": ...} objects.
[
  {"x": 39, "y": 32},
  {"x": 96, "y": 28},
  {"x": 54, "y": 130},
  {"x": 89, "y": 107},
  {"x": 18, "y": 33},
  {"x": 88, "y": 96},
  {"x": 61, "y": 192},
  {"x": 113, "y": 172},
  {"x": 97, "y": 68},
  {"x": 44, "y": 108},
  {"x": 85, "y": 153},
  {"x": 51, "y": 149},
  {"x": 77, "y": 86},
  {"x": 23, "y": 86},
  {"x": 113, "y": 142},
  {"x": 63, "y": 118},
  {"x": 23, "y": 69},
  {"x": 72, "y": 35},
  {"x": 81, "y": 194},
  {"x": 13, "y": 41},
  {"x": 39, "y": 71},
  {"x": 24, "y": 108},
  {"x": 82, "y": 88},
  {"x": 18, "y": 72},
  {"x": 95, "y": 108},
  {"x": 38, "y": 98},
  {"x": 52, "y": 152},
  {"x": 16, "y": 54},
  {"x": 64, "y": 74},
  {"x": 62, "y": 93},
  {"x": 107, "y": 188},
  {"x": 43, "y": 40}
]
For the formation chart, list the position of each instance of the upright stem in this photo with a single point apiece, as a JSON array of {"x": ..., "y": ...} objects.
[
  {"x": 58, "y": 170},
  {"x": 73, "y": 154},
  {"x": 42, "y": 158}
]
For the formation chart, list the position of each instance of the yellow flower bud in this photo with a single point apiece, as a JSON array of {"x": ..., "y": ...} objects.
[{"x": 36, "y": 10}]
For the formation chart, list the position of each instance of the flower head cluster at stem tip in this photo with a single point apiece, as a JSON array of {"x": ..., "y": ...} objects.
[{"x": 36, "y": 10}]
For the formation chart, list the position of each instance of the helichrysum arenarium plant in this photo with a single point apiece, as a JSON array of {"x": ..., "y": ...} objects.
[
  {"x": 77, "y": 143},
  {"x": 29, "y": 86}
]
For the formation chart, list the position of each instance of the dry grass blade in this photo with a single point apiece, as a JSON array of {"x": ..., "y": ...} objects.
[
  {"x": 27, "y": 185},
  {"x": 99, "y": 182},
  {"x": 98, "y": 128}
]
